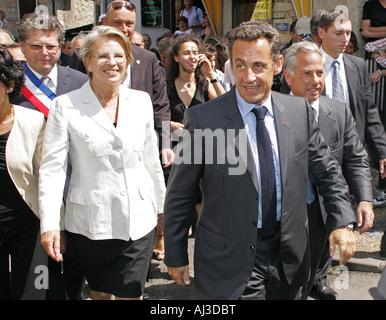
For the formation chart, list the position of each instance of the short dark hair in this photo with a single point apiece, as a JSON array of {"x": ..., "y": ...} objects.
[
  {"x": 11, "y": 73},
  {"x": 329, "y": 17},
  {"x": 253, "y": 30}
]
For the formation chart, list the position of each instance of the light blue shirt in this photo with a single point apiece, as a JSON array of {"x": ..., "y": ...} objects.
[{"x": 250, "y": 125}]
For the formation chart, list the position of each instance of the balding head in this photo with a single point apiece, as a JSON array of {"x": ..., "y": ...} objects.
[{"x": 121, "y": 15}]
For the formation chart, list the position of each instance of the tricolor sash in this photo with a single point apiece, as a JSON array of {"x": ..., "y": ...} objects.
[{"x": 37, "y": 92}]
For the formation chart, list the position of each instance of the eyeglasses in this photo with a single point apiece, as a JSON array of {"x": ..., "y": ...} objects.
[
  {"x": 119, "y": 4},
  {"x": 38, "y": 47},
  {"x": 105, "y": 58}
]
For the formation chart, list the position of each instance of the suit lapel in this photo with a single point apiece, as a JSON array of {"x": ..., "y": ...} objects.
[
  {"x": 135, "y": 68},
  {"x": 64, "y": 81},
  {"x": 282, "y": 132},
  {"x": 326, "y": 120},
  {"x": 93, "y": 107},
  {"x": 350, "y": 76}
]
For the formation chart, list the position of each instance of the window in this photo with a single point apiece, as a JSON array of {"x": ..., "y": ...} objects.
[{"x": 26, "y": 6}]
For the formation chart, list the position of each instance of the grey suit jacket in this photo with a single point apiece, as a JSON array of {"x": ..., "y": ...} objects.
[
  {"x": 363, "y": 108},
  {"x": 68, "y": 80},
  {"x": 227, "y": 229},
  {"x": 338, "y": 128}
]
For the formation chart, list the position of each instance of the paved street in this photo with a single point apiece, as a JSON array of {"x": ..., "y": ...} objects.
[{"x": 351, "y": 284}]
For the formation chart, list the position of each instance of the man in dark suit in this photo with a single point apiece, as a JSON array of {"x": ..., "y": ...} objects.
[
  {"x": 41, "y": 48},
  {"x": 353, "y": 77},
  {"x": 243, "y": 250},
  {"x": 335, "y": 31},
  {"x": 40, "y": 44},
  {"x": 144, "y": 74},
  {"x": 304, "y": 73}
]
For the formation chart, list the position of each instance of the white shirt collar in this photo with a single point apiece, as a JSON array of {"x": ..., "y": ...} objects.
[
  {"x": 246, "y": 107},
  {"x": 330, "y": 60}
]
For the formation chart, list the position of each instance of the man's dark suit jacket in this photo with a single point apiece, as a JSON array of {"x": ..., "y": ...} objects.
[
  {"x": 226, "y": 232},
  {"x": 68, "y": 80},
  {"x": 363, "y": 108},
  {"x": 146, "y": 76},
  {"x": 338, "y": 128}
]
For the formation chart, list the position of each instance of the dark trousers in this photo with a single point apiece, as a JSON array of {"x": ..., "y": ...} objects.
[
  {"x": 318, "y": 245},
  {"x": 268, "y": 281},
  {"x": 18, "y": 239}
]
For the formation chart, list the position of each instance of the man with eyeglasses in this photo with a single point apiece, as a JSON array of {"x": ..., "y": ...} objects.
[
  {"x": 143, "y": 74},
  {"x": 40, "y": 38}
]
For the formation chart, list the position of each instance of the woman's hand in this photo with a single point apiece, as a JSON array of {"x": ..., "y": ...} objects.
[
  {"x": 50, "y": 241},
  {"x": 176, "y": 128},
  {"x": 205, "y": 65}
]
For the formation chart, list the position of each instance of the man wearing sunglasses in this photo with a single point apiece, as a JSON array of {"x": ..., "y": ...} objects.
[
  {"x": 40, "y": 44},
  {"x": 144, "y": 74}
]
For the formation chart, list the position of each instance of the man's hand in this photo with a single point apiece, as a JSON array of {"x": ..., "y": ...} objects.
[
  {"x": 180, "y": 275},
  {"x": 365, "y": 216},
  {"x": 345, "y": 240},
  {"x": 382, "y": 168},
  {"x": 167, "y": 156},
  {"x": 51, "y": 242}
]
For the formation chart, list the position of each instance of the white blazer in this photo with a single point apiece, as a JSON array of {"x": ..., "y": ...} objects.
[
  {"x": 117, "y": 184},
  {"x": 24, "y": 153}
]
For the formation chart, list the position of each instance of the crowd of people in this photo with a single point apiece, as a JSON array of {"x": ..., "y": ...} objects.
[{"x": 93, "y": 130}]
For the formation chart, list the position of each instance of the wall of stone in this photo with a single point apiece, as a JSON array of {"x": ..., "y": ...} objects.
[
  {"x": 283, "y": 14},
  {"x": 81, "y": 13}
]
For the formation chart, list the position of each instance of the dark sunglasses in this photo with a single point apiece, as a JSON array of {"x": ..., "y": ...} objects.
[{"x": 118, "y": 6}]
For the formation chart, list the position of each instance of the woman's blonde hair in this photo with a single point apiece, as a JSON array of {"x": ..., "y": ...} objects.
[{"x": 108, "y": 32}]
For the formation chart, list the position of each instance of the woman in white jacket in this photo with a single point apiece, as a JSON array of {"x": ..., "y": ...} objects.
[
  {"x": 116, "y": 187},
  {"x": 21, "y": 140}
]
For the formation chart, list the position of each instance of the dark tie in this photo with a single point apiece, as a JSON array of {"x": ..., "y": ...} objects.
[
  {"x": 267, "y": 172},
  {"x": 45, "y": 80},
  {"x": 337, "y": 87}
]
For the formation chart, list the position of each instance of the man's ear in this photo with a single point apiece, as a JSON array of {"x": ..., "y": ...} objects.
[
  {"x": 288, "y": 78},
  {"x": 321, "y": 32},
  {"x": 278, "y": 65}
]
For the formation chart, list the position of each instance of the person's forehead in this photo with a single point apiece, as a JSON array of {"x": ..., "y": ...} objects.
[
  {"x": 42, "y": 35},
  {"x": 122, "y": 14}
]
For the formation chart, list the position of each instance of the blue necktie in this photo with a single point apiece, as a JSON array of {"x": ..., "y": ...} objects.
[
  {"x": 337, "y": 87},
  {"x": 267, "y": 172}
]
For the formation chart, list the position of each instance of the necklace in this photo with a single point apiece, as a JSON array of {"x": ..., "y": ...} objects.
[{"x": 188, "y": 85}]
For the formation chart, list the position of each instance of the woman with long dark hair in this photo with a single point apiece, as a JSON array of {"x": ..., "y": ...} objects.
[{"x": 190, "y": 78}]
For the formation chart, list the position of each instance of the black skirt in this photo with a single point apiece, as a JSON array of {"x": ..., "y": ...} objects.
[{"x": 114, "y": 266}]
